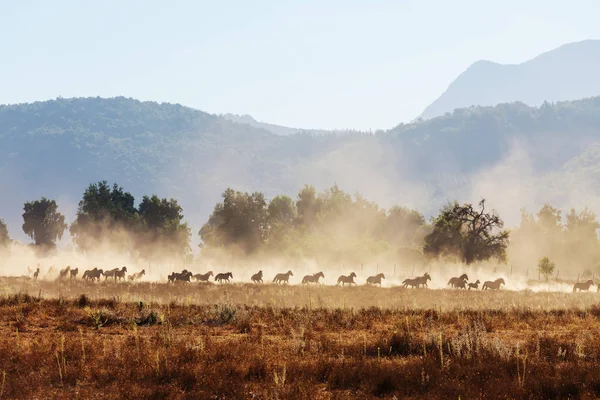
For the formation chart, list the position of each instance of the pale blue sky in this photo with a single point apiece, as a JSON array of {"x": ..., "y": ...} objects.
[{"x": 313, "y": 64}]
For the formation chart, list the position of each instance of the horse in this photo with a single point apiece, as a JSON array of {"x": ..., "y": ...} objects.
[
  {"x": 74, "y": 273},
  {"x": 203, "y": 277},
  {"x": 36, "y": 273},
  {"x": 456, "y": 281},
  {"x": 312, "y": 278},
  {"x": 347, "y": 279},
  {"x": 257, "y": 277},
  {"x": 417, "y": 282},
  {"x": 137, "y": 275},
  {"x": 283, "y": 278},
  {"x": 375, "y": 280},
  {"x": 115, "y": 273},
  {"x": 474, "y": 285},
  {"x": 93, "y": 274},
  {"x": 183, "y": 276},
  {"x": 495, "y": 285},
  {"x": 223, "y": 277},
  {"x": 64, "y": 272},
  {"x": 581, "y": 286},
  {"x": 461, "y": 285}
]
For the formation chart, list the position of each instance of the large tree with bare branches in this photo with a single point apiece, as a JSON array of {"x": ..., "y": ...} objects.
[{"x": 467, "y": 233}]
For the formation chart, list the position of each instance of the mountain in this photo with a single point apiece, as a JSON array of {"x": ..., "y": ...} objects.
[
  {"x": 279, "y": 129},
  {"x": 569, "y": 72},
  {"x": 57, "y": 148}
]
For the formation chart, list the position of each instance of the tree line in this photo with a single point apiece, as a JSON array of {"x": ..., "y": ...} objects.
[
  {"x": 328, "y": 226},
  {"x": 331, "y": 225}
]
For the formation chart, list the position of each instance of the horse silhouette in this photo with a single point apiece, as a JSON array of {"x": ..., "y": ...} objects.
[
  {"x": 495, "y": 285},
  {"x": 203, "y": 277},
  {"x": 375, "y": 280},
  {"x": 312, "y": 278},
  {"x": 417, "y": 282},
  {"x": 223, "y": 277},
  {"x": 257, "y": 277},
  {"x": 137, "y": 275},
  {"x": 474, "y": 285},
  {"x": 347, "y": 279},
  {"x": 456, "y": 281},
  {"x": 583, "y": 286},
  {"x": 283, "y": 278},
  {"x": 93, "y": 274}
]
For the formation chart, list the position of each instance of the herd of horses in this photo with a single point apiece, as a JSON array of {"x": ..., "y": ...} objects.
[{"x": 120, "y": 274}]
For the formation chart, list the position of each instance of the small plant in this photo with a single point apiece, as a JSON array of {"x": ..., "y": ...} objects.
[
  {"x": 546, "y": 267},
  {"x": 97, "y": 317}
]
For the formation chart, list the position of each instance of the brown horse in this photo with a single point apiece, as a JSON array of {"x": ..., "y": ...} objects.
[
  {"x": 312, "y": 278},
  {"x": 283, "y": 278},
  {"x": 417, "y": 282},
  {"x": 495, "y": 285},
  {"x": 203, "y": 277},
  {"x": 347, "y": 279},
  {"x": 375, "y": 280},
  {"x": 583, "y": 286},
  {"x": 474, "y": 285}
]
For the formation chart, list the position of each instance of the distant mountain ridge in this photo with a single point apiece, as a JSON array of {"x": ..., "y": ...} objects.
[
  {"x": 282, "y": 130},
  {"x": 569, "y": 72},
  {"x": 56, "y": 148}
]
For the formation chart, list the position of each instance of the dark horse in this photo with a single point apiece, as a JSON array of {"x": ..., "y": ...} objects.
[
  {"x": 93, "y": 274},
  {"x": 223, "y": 277},
  {"x": 257, "y": 277},
  {"x": 458, "y": 281}
]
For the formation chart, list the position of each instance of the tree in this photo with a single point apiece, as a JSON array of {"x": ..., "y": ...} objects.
[
  {"x": 546, "y": 267},
  {"x": 472, "y": 235},
  {"x": 101, "y": 213},
  {"x": 239, "y": 220},
  {"x": 403, "y": 227},
  {"x": 162, "y": 226},
  {"x": 43, "y": 223},
  {"x": 307, "y": 205},
  {"x": 281, "y": 211},
  {"x": 4, "y": 238}
]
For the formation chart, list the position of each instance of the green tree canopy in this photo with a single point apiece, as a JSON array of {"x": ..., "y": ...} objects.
[
  {"x": 239, "y": 220},
  {"x": 162, "y": 224},
  {"x": 4, "y": 238},
  {"x": 43, "y": 223},
  {"x": 470, "y": 234},
  {"x": 101, "y": 211},
  {"x": 546, "y": 267}
]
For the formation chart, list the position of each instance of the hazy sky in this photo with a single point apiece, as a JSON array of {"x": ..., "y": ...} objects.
[{"x": 312, "y": 63}]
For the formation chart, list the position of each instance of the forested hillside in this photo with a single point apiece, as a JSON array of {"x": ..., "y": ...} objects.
[{"x": 56, "y": 148}]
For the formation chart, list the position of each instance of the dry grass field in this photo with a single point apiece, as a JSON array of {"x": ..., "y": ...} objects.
[{"x": 238, "y": 341}]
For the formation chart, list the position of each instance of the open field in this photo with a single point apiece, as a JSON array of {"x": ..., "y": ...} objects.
[
  {"x": 242, "y": 341},
  {"x": 313, "y": 296}
]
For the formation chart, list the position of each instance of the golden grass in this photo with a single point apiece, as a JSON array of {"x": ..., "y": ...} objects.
[{"x": 242, "y": 341}]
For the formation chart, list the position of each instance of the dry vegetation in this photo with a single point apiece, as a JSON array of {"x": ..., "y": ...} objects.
[{"x": 151, "y": 340}]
